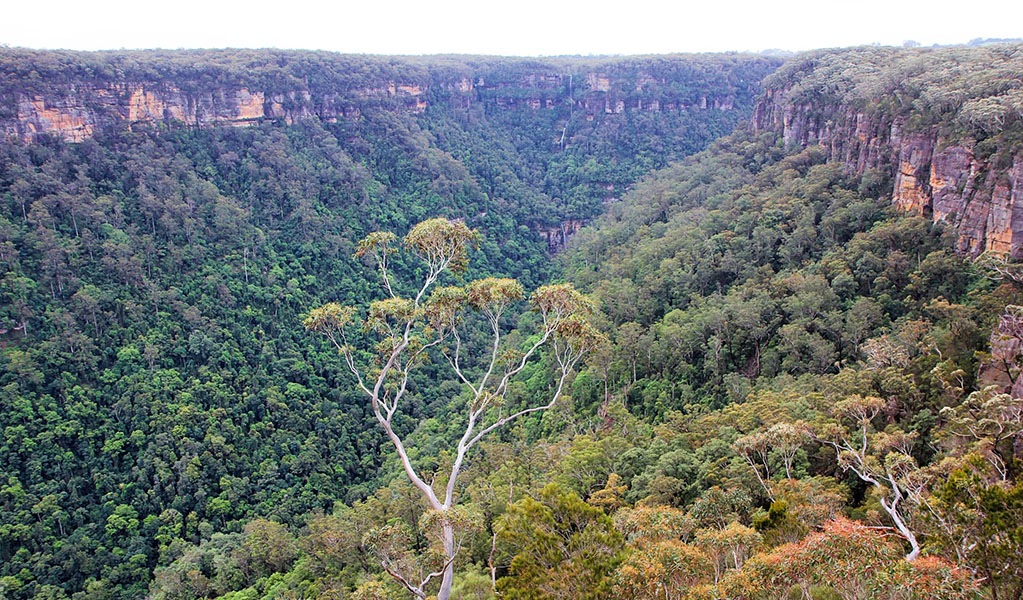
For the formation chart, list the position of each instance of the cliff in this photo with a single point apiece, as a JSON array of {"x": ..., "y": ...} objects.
[
  {"x": 75, "y": 111},
  {"x": 72, "y": 95},
  {"x": 557, "y": 237},
  {"x": 1004, "y": 366},
  {"x": 948, "y": 145}
]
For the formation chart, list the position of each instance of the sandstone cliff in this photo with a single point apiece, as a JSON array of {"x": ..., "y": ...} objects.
[
  {"x": 557, "y": 237},
  {"x": 1004, "y": 366},
  {"x": 74, "y": 112},
  {"x": 940, "y": 167},
  {"x": 72, "y": 95}
]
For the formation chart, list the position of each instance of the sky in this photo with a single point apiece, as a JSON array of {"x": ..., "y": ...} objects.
[{"x": 505, "y": 27}]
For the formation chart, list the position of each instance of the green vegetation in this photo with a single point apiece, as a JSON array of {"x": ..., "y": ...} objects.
[
  {"x": 157, "y": 390},
  {"x": 799, "y": 387},
  {"x": 744, "y": 262},
  {"x": 972, "y": 92}
]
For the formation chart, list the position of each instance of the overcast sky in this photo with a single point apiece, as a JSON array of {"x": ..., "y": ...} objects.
[{"x": 508, "y": 27}]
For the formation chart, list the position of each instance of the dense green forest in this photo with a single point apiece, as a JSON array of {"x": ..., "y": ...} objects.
[
  {"x": 158, "y": 386},
  {"x": 792, "y": 386}
]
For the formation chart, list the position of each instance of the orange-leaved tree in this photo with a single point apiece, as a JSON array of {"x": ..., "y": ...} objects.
[
  {"x": 850, "y": 560},
  {"x": 419, "y": 319}
]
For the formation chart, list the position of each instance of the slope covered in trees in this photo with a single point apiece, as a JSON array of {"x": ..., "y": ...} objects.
[
  {"x": 804, "y": 386},
  {"x": 157, "y": 388}
]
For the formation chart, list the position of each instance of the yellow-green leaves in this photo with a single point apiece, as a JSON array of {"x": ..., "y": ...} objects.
[
  {"x": 580, "y": 334},
  {"x": 858, "y": 409},
  {"x": 559, "y": 301},
  {"x": 384, "y": 314},
  {"x": 493, "y": 293},
  {"x": 329, "y": 318},
  {"x": 442, "y": 243},
  {"x": 378, "y": 243},
  {"x": 565, "y": 310},
  {"x": 462, "y": 519},
  {"x": 443, "y": 306}
]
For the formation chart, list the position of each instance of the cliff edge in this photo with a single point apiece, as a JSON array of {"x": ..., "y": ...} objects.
[
  {"x": 73, "y": 94},
  {"x": 945, "y": 126}
]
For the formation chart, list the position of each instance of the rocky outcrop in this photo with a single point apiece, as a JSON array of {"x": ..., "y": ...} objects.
[
  {"x": 557, "y": 237},
  {"x": 1004, "y": 367},
  {"x": 594, "y": 93},
  {"x": 934, "y": 177},
  {"x": 74, "y": 112},
  {"x": 84, "y": 92}
]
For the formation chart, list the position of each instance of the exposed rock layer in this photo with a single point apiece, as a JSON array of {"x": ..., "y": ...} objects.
[
  {"x": 557, "y": 237},
  {"x": 1004, "y": 367},
  {"x": 981, "y": 196},
  {"x": 75, "y": 110}
]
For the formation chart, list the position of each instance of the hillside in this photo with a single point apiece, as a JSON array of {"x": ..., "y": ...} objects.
[
  {"x": 582, "y": 128},
  {"x": 840, "y": 189},
  {"x": 168, "y": 216},
  {"x": 804, "y": 346}
]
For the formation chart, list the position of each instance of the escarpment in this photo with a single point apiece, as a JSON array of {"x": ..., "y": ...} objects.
[
  {"x": 924, "y": 133},
  {"x": 74, "y": 112},
  {"x": 72, "y": 95}
]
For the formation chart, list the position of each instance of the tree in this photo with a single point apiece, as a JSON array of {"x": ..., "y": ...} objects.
[
  {"x": 411, "y": 329},
  {"x": 784, "y": 439},
  {"x": 851, "y": 561},
  {"x": 18, "y": 290},
  {"x": 755, "y": 449},
  {"x": 990, "y": 425},
  {"x": 801, "y": 506},
  {"x": 562, "y": 548},
  {"x": 268, "y": 547},
  {"x": 728, "y": 547},
  {"x": 998, "y": 267},
  {"x": 788, "y": 439},
  {"x": 1006, "y": 357},
  {"x": 661, "y": 570},
  {"x": 611, "y": 496},
  {"x": 882, "y": 459},
  {"x": 980, "y": 522},
  {"x": 649, "y": 524}
]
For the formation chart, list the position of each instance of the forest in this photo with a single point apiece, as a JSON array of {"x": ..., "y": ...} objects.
[{"x": 749, "y": 376}]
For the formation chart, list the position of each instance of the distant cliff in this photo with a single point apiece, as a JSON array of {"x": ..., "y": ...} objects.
[
  {"x": 75, "y": 111},
  {"x": 72, "y": 95},
  {"x": 943, "y": 124}
]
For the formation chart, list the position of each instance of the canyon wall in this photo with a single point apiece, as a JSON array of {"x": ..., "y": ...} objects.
[
  {"x": 84, "y": 92},
  {"x": 74, "y": 112},
  {"x": 977, "y": 190}
]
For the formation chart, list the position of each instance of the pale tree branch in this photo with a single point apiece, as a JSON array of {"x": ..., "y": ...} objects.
[
  {"x": 565, "y": 371},
  {"x": 401, "y": 579},
  {"x": 495, "y": 327},
  {"x": 456, "y": 365},
  {"x": 439, "y": 573},
  {"x": 525, "y": 359}
]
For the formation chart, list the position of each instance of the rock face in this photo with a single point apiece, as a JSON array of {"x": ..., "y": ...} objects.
[
  {"x": 557, "y": 237},
  {"x": 75, "y": 103},
  {"x": 74, "y": 112},
  {"x": 1004, "y": 368},
  {"x": 981, "y": 196}
]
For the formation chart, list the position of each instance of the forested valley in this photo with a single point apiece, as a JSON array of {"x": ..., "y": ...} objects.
[{"x": 772, "y": 361}]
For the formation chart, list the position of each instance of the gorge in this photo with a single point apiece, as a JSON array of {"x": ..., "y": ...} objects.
[{"x": 798, "y": 279}]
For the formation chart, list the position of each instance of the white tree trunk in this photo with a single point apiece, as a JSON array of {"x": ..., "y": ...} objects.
[{"x": 448, "y": 535}]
